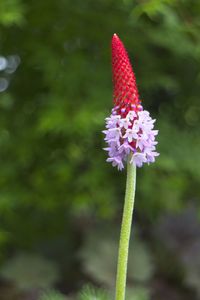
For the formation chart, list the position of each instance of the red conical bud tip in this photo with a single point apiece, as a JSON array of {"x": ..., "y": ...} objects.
[{"x": 125, "y": 94}]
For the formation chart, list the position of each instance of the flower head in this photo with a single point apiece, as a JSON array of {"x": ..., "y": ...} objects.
[{"x": 129, "y": 129}]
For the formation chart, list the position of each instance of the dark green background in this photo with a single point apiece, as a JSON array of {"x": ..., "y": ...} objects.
[{"x": 60, "y": 202}]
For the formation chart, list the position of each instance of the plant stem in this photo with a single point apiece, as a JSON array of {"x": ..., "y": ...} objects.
[{"x": 125, "y": 231}]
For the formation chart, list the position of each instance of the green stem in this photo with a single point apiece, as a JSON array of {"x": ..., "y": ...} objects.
[{"x": 125, "y": 231}]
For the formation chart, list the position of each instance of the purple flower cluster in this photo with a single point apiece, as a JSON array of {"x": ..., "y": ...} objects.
[{"x": 132, "y": 133}]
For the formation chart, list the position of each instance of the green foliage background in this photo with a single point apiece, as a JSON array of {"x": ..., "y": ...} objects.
[{"x": 55, "y": 186}]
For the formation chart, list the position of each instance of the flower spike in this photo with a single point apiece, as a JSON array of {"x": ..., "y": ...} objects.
[
  {"x": 129, "y": 129},
  {"x": 125, "y": 88}
]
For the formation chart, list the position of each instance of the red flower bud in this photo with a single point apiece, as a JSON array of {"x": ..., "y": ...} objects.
[{"x": 125, "y": 94}]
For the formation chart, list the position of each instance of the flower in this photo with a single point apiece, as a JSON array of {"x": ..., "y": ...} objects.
[{"x": 129, "y": 129}]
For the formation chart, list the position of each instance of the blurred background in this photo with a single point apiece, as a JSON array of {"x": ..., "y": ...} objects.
[{"x": 60, "y": 202}]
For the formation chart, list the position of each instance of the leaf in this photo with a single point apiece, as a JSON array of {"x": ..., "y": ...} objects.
[
  {"x": 28, "y": 271},
  {"x": 11, "y": 12},
  {"x": 52, "y": 295},
  {"x": 91, "y": 293},
  {"x": 99, "y": 256}
]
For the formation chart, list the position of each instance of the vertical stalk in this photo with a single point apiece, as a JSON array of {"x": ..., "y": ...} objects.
[{"x": 125, "y": 231}]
